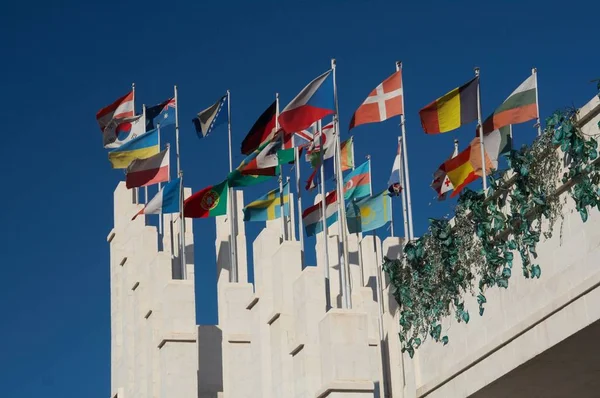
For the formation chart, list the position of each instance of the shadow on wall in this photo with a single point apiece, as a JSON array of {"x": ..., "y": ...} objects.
[{"x": 210, "y": 361}]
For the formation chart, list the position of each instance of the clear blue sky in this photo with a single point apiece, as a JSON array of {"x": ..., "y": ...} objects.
[{"x": 61, "y": 62}]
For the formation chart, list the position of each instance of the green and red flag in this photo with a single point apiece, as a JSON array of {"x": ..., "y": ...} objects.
[
  {"x": 519, "y": 107},
  {"x": 209, "y": 202}
]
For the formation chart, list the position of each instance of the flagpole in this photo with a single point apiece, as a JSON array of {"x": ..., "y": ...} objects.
[
  {"x": 537, "y": 104},
  {"x": 170, "y": 215},
  {"x": 231, "y": 194},
  {"x": 403, "y": 193},
  {"x": 177, "y": 128},
  {"x": 137, "y": 190},
  {"x": 340, "y": 196},
  {"x": 144, "y": 114},
  {"x": 405, "y": 170},
  {"x": 182, "y": 228},
  {"x": 483, "y": 170},
  {"x": 299, "y": 194},
  {"x": 283, "y": 223},
  {"x": 324, "y": 219},
  {"x": 160, "y": 218}
]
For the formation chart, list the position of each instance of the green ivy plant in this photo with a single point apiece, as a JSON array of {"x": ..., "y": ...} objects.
[{"x": 476, "y": 247}]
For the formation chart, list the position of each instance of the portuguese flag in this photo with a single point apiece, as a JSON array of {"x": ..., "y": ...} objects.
[
  {"x": 209, "y": 202},
  {"x": 449, "y": 112},
  {"x": 519, "y": 107}
]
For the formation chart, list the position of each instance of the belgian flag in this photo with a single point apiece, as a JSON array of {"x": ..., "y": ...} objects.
[{"x": 452, "y": 110}]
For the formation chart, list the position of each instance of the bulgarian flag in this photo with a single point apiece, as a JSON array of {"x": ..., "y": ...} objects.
[
  {"x": 519, "y": 107},
  {"x": 209, "y": 202}
]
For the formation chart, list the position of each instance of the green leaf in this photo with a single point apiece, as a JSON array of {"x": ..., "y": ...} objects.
[
  {"x": 465, "y": 316},
  {"x": 536, "y": 272},
  {"x": 584, "y": 214},
  {"x": 506, "y": 273},
  {"x": 445, "y": 340},
  {"x": 502, "y": 282},
  {"x": 417, "y": 342}
]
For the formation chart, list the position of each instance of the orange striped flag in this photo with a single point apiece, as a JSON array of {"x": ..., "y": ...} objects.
[{"x": 466, "y": 167}]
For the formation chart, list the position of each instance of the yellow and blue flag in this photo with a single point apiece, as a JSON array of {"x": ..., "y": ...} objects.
[
  {"x": 141, "y": 147},
  {"x": 369, "y": 213},
  {"x": 268, "y": 207}
]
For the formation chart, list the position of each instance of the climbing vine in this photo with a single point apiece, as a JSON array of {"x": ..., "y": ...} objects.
[{"x": 475, "y": 250}]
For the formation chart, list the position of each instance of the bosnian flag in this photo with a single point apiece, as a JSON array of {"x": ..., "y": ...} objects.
[
  {"x": 121, "y": 108},
  {"x": 167, "y": 200},
  {"x": 313, "y": 103},
  {"x": 144, "y": 172},
  {"x": 313, "y": 215},
  {"x": 121, "y": 131}
]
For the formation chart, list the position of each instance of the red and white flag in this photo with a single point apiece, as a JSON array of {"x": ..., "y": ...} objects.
[
  {"x": 441, "y": 182},
  {"x": 383, "y": 103},
  {"x": 120, "y": 109},
  {"x": 145, "y": 172}
]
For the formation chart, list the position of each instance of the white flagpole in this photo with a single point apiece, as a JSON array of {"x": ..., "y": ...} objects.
[
  {"x": 299, "y": 195},
  {"x": 160, "y": 218},
  {"x": 340, "y": 197},
  {"x": 137, "y": 190},
  {"x": 324, "y": 219},
  {"x": 171, "y": 215},
  {"x": 405, "y": 171},
  {"x": 182, "y": 228},
  {"x": 537, "y": 104},
  {"x": 177, "y": 129},
  {"x": 233, "y": 277},
  {"x": 403, "y": 193},
  {"x": 146, "y": 187},
  {"x": 283, "y": 221},
  {"x": 481, "y": 135}
]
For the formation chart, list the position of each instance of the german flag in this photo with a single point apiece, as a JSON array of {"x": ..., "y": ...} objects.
[
  {"x": 466, "y": 167},
  {"x": 452, "y": 110}
]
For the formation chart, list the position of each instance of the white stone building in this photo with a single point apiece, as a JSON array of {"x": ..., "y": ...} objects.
[{"x": 276, "y": 339}]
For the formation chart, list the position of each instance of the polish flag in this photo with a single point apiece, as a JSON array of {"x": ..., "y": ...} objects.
[
  {"x": 383, "y": 103},
  {"x": 313, "y": 103},
  {"x": 120, "y": 109},
  {"x": 166, "y": 201},
  {"x": 145, "y": 172}
]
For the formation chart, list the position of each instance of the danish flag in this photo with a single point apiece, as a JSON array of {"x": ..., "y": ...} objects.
[{"x": 383, "y": 103}]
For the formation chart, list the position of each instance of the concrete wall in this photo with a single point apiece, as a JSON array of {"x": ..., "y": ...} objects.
[{"x": 153, "y": 332}]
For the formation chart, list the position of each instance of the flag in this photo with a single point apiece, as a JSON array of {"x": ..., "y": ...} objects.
[
  {"x": 263, "y": 161},
  {"x": 286, "y": 156},
  {"x": 498, "y": 142},
  {"x": 452, "y": 110},
  {"x": 519, "y": 107},
  {"x": 441, "y": 182},
  {"x": 121, "y": 131},
  {"x": 166, "y": 201},
  {"x": 394, "y": 182},
  {"x": 121, "y": 108},
  {"x": 268, "y": 207},
  {"x": 206, "y": 120},
  {"x": 144, "y": 172},
  {"x": 237, "y": 179},
  {"x": 313, "y": 154},
  {"x": 209, "y": 202},
  {"x": 357, "y": 183},
  {"x": 142, "y": 147},
  {"x": 466, "y": 167},
  {"x": 369, "y": 213},
  {"x": 262, "y": 130},
  {"x": 347, "y": 154},
  {"x": 313, "y": 215},
  {"x": 304, "y": 135},
  {"x": 313, "y": 103},
  {"x": 384, "y": 102},
  {"x": 163, "y": 113}
]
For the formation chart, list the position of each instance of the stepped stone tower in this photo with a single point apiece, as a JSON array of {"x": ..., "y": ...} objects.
[{"x": 277, "y": 338}]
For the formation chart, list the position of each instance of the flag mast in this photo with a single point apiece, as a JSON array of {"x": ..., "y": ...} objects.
[
  {"x": 299, "y": 194},
  {"x": 405, "y": 172},
  {"x": 177, "y": 128},
  {"x": 480, "y": 128},
  {"x": 283, "y": 223},
  {"x": 403, "y": 193},
  {"x": 160, "y": 218},
  {"x": 537, "y": 104},
  {"x": 231, "y": 195},
  {"x": 324, "y": 219},
  {"x": 137, "y": 190},
  {"x": 182, "y": 228},
  {"x": 340, "y": 196}
]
